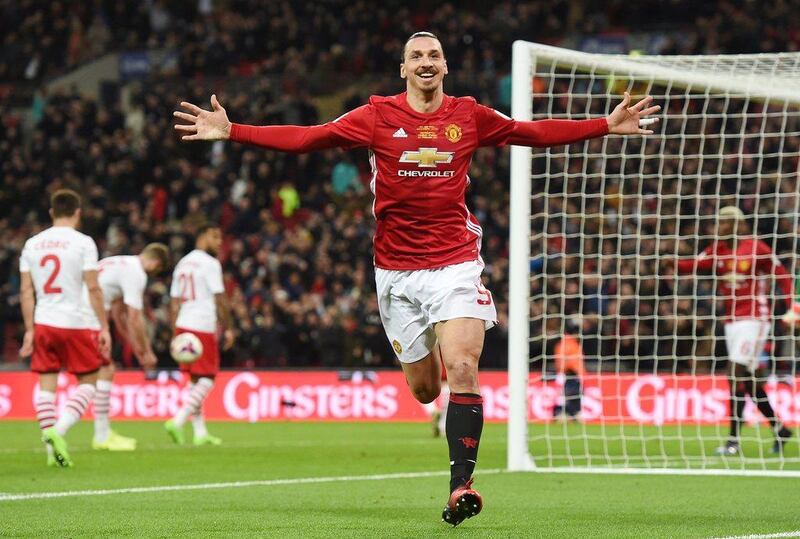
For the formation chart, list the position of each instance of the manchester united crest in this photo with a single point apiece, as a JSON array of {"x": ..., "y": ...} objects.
[
  {"x": 397, "y": 348},
  {"x": 453, "y": 132}
]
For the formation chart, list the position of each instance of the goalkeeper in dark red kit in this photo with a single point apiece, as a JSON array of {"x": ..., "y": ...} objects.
[{"x": 432, "y": 302}]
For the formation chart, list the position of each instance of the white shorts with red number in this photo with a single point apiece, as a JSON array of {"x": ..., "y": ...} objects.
[
  {"x": 412, "y": 302},
  {"x": 745, "y": 340}
]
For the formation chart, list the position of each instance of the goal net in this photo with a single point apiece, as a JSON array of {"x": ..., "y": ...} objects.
[{"x": 591, "y": 226}]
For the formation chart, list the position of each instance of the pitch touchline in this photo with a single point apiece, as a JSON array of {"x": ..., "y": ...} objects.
[
  {"x": 795, "y": 533},
  {"x": 77, "y": 448},
  {"x": 232, "y": 484}
]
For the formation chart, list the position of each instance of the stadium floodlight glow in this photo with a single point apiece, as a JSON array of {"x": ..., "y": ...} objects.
[{"x": 602, "y": 215}]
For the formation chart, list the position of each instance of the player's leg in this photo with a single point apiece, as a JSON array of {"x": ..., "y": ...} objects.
[
  {"x": 78, "y": 402},
  {"x": 46, "y": 408},
  {"x": 203, "y": 372},
  {"x": 198, "y": 389},
  {"x": 737, "y": 388},
  {"x": 737, "y": 376},
  {"x": 104, "y": 437},
  {"x": 424, "y": 377},
  {"x": 78, "y": 350},
  {"x": 572, "y": 396},
  {"x": 199, "y": 428},
  {"x": 759, "y": 396},
  {"x": 753, "y": 335},
  {"x": 460, "y": 345},
  {"x": 76, "y": 406},
  {"x": 443, "y": 406}
]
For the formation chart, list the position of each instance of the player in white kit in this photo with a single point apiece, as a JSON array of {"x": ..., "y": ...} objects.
[
  {"x": 198, "y": 302},
  {"x": 123, "y": 280},
  {"x": 54, "y": 265}
]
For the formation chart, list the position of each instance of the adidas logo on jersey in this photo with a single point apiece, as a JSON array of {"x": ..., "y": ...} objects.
[{"x": 400, "y": 133}]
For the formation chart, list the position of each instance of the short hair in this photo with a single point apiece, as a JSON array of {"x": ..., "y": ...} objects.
[
  {"x": 731, "y": 212},
  {"x": 64, "y": 203},
  {"x": 205, "y": 227},
  {"x": 158, "y": 252},
  {"x": 415, "y": 35}
]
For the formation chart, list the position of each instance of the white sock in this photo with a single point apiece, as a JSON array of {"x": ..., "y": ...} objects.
[
  {"x": 430, "y": 408},
  {"x": 443, "y": 417},
  {"x": 194, "y": 402},
  {"x": 46, "y": 413},
  {"x": 46, "y": 409},
  {"x": 102, "y": 397},
  {"x": 199, "y": 425},
  {"x": 75, "y": 408}
]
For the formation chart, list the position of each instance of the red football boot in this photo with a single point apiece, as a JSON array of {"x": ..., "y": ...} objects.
[{"x": 464, "y": 502}]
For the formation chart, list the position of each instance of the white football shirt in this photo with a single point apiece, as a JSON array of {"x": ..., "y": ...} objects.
[
  {"x": 56, "y": 259},
  {"x": 195, "y": 281},
  {"x": 120, "y": 277}
]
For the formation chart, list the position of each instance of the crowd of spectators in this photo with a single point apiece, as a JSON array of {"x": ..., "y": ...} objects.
[
  {"x": 608, "y": 213},
  {"x": 297, "y": 257}
]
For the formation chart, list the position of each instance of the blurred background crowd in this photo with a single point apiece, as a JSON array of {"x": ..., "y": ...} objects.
[{"x": 297, "y": 256}]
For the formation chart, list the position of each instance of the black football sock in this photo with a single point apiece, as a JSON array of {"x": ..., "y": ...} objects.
[
  {"x": 764, "y": 406},
  {"x": 737, "y": 403},
  {"x": 463, "y": 428}
]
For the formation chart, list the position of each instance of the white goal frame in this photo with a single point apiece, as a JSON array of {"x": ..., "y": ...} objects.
[{"x": 524, "y": 56}]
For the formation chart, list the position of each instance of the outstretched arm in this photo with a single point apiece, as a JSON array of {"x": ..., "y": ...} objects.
[
  {"x": 495, "y": 129},
  {"x": 703, "y": 262},
  {"x": 771, "y": 264},
  {"x": 623, "y": 120},
  {"x": 215, "y": 125}
]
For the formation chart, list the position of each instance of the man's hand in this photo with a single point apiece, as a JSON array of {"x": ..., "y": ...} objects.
[
  {"x": 104, "y": 342},
  {"x": 228, "y": 338},
  {"x": 27, "y": 344},
  {"x": 148, "y": 361},
  {"x": 792, "y": 316},
  {"x": 204, "y": 125},
  {"x": 627, "y": 120}
]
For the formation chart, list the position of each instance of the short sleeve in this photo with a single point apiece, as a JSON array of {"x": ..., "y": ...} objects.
[
  {"x": 494, "y": 128},
  {"x": 214, "y": 278},
  {"x": 24, "y": 263},
  {"x": 354, "y": 129},
  {"x": 133, "y": 290},
  {"x": 765, "y": 258},
  {"x": 174, "y": 288},
  {"x": 89, "y": 255},
  {"x": 706, "y": 253}
]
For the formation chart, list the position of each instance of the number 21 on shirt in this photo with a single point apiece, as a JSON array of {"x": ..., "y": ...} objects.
[{"x": 186, "y": 284}]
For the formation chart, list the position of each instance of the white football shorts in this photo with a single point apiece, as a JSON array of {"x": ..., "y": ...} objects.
[
  {"x": 745, "y": 340},
  {"x": 412, "y": 302}
]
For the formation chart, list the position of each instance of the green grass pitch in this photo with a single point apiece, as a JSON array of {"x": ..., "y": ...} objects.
[{"x": 516, "y": 504}]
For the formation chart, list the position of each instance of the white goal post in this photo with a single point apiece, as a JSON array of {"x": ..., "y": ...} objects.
[{"x": 590, "y": 225}]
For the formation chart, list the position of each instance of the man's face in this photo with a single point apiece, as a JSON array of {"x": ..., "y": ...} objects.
[
  {"x": 424, "y": 66},
  {"x": 212, "y": 241},
  {"x": 726, "y": 228}
]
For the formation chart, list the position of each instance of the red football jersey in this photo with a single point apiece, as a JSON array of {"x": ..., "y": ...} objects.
[
  {"x": 419, "y": 176},
  {"x": 419, "y": 168},
  {"x": 744, "y": 276}
]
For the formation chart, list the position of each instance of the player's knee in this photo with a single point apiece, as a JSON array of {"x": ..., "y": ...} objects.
[
  {"x": 107, "y": 371},
  {"x": 427, "y": 392},
  {"x": 462, "y": 373}
]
